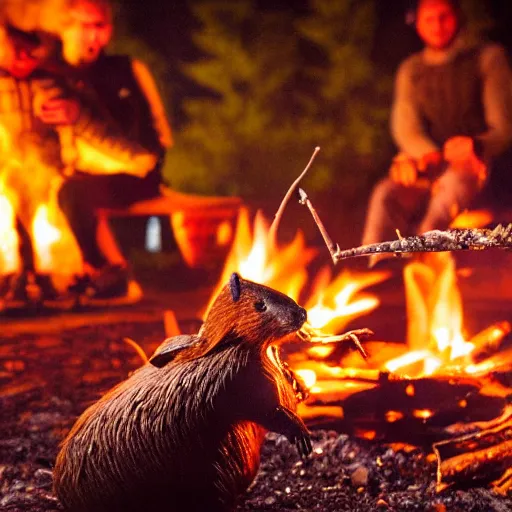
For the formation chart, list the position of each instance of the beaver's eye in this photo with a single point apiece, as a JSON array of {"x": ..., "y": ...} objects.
[{"x": 260, "y": 306}]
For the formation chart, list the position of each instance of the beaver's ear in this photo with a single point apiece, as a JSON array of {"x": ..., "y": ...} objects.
[
  {"x": 170, "y": 348},
  {"x": 234, "y": 286}
]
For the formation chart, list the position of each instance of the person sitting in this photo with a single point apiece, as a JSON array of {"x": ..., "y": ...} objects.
[
  {"x": 451, "y": 117},
  {"x": 128, "y": 94},
  {"x": 127, "y": 90}
]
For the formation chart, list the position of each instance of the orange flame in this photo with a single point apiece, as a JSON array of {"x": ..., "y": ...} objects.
[
  {"x": 436, "y": 345},
  {"x": 56, "y": 249},
  {"x": 333, "y": 302},
  {"x": 435, "y": 334},
  {"x": 32, "y": 197},
  {"x": 45, "y": 235},
  {"x": 252, "y": 256},
  {"x": 472, "y": 219},
  {"x": 9, "y": 255}
]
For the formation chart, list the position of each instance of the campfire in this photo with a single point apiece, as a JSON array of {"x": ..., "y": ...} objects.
[
  {"x": 443, "y": 388},
  {"x": 30, "y": 195}
]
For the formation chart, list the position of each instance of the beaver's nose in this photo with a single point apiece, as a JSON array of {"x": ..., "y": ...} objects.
[{"x": 301, "y": 316}]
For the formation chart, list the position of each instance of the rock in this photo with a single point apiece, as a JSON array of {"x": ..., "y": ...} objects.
[
  {"x": 359, "y": 476},
  {"x": 270, "y": 500},
  {"x": 43, "y": 477}
]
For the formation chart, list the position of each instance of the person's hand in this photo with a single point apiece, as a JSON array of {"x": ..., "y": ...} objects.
[
  {"x": 431, "y": 165},
  {"x": 459, "y": 150},
  {"x": 432, "y": 160},
  {"x": 404, "y": 170},
  {"x": 60, "y": 111},
  {"x": 460, "y": 153}
]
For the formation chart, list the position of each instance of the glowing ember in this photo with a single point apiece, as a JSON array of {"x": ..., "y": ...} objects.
[
  {"x": 392, "y": 416},
  {"x": 422, "y": 413}
]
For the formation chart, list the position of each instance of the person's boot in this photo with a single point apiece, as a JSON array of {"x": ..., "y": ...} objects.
[
  {"x": 21, "y": 289},
  {"x": 110, "y": 285}
]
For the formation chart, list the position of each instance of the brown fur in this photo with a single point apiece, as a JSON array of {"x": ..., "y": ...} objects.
[{"x": 187, "y": 435}]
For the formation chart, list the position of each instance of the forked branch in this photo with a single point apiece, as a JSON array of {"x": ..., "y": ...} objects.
[{"x": 272, "y": 233}]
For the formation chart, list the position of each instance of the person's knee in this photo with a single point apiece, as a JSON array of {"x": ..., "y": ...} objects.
[
  {"x": 384, "y": 190},
  {"x": 460, "y": 186}
]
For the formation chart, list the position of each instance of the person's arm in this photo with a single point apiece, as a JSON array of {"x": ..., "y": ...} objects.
[
  {"x": 102, "y": 149},
  {"x": 150, "y": 90},
  {"x": 406, "y": 124},
  {"x": 497, "y": 101},
  {"x": 90, "y": 139}
]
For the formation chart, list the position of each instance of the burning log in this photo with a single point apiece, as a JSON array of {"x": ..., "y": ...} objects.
[
  {"x": 488, "y": 341},
  {"x": 396, "y": 409},
  {"x": 482, "y": 455}
]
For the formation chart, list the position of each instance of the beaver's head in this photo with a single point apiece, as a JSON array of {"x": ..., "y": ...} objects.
[{"x": 243, "y": 312}]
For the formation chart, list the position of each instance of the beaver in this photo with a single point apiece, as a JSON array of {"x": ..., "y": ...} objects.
[{"x": 184, "y": 431}]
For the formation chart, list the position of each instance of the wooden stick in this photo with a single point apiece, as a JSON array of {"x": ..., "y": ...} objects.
[
  {"x": 432, "y": 241},
  {"x": 486, "y": 454},
  {"x": 277, "y": 219},
  {"x": 347, "y": 336},
  {"x": 438, "y": 241},
  {"x": 331, "y": 246}
]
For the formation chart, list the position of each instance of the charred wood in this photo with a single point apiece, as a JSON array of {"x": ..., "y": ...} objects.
[{"x": 485, "y": 455}]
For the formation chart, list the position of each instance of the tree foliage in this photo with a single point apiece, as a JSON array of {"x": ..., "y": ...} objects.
[
  {"x": 276, "y": 86},
  {"x": 478, "y": 18},
  {"x": 126, "y": 41},
  {"x": 348, "y": 106},
  {"x": 273, "y": 86},
  {"x": 250, "y": 58}
]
